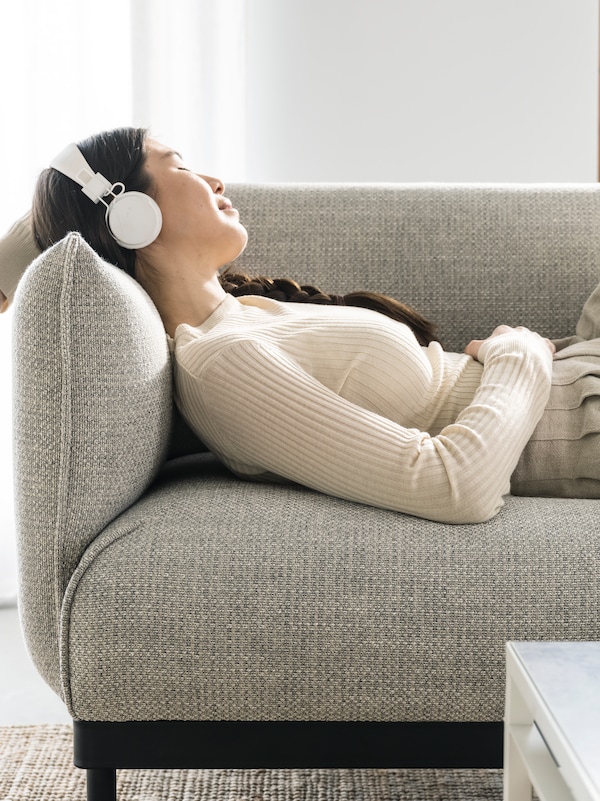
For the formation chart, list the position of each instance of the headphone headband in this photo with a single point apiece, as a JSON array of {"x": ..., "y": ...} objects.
[
  {"x": 71, "y": 162},
  {"x": 133, "y": 219}
]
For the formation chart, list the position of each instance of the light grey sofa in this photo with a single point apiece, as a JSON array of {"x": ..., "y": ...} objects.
[{"x": 190, "y": 619}]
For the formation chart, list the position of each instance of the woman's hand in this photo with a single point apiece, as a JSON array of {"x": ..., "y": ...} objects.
[{"x": 473, "y": 347}]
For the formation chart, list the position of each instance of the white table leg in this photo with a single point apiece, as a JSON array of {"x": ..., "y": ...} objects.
[{"x": 517, "y": 785}]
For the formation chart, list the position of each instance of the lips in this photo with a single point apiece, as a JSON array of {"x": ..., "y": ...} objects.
[{"x": 225, "y": 204}]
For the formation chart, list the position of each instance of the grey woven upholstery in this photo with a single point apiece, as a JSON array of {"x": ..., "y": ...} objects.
[
  {"x": 196, "y": 596},
  {"x": 466, "y": 256},
  {"x": 92, "y": 420}
]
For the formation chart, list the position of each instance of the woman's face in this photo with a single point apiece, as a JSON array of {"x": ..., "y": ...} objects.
[{"x": 197, "y": 217}]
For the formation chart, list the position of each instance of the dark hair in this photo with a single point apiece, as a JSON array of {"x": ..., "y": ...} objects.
[
  {"x": 59, "y": 206},
  {"x": 286, "y": 289}
]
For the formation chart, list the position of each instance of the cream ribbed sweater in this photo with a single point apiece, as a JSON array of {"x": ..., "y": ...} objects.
[{"x": 345, "y": 401}]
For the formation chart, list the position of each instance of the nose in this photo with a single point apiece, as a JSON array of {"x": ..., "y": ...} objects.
[{"x": 217, "y": 186}]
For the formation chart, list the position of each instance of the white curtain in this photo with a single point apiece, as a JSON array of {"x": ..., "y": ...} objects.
[
  {"x": 188, "y": 73},
  {"x": 71, "y": 68}
]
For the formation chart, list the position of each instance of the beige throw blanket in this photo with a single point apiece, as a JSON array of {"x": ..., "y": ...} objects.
[{"x": 563, "y": 456}]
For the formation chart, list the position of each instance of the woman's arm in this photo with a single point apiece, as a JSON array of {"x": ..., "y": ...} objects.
[
  {"x": 476, "y": 346},
  {"x": 18, "y": 249},
  {"x": 259, "y": 412}
]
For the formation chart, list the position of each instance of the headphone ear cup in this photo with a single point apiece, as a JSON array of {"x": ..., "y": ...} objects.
[{"x": 134, "y": 220}]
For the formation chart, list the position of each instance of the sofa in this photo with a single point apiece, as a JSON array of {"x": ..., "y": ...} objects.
[{"x": 189, "y": 619}]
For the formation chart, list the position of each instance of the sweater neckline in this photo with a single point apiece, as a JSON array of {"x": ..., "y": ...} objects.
[{"x": 222, "y": 311}]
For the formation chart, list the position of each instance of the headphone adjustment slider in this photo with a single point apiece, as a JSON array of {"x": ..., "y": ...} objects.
[{"x": 97, "y": 187}]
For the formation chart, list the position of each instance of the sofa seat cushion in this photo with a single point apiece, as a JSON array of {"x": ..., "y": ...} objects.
[{"x": 214, "y": 599}]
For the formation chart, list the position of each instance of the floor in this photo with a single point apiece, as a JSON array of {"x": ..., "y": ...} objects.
[{"x": 24, "y": 696}]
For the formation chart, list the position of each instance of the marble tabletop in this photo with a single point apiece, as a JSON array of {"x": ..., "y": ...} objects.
[{"x": 567, "y": 676}]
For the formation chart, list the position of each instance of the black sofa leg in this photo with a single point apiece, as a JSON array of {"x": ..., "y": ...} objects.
[{"x": 101, "y": 784}]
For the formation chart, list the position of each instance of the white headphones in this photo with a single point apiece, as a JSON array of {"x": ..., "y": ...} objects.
[{"x": 133, "y": 218}]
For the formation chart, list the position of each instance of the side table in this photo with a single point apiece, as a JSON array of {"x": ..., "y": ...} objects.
[{"x": 552, "y": 721}]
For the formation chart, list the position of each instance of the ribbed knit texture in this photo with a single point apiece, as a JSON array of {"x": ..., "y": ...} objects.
[
  {"x": 345, "y": 401},
  {"x": 17, "y": 250}
]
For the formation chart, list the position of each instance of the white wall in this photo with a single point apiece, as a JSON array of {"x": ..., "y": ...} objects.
[
  {"x": 422, "y": 90},
  {"x": 50, "y": 96}
]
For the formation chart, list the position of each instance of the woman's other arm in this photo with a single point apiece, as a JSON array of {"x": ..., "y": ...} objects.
[
  {"x": 18, "y": 249},
  {"x": 261, "y": 413}
]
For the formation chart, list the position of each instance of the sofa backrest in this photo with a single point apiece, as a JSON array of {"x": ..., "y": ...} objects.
[
  {"x": 92, "y": 415},
  {"x": 467, "y": 256}
]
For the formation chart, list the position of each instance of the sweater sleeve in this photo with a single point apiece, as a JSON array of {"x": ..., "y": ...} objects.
[
  {"x": 261, "y": 413},
  {"x": 17, "y": 250}
]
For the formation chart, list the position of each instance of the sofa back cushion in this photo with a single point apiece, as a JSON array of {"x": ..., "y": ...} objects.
[
  {"x": 468, "y": 256},
  {"x": 92, "y": 417}
]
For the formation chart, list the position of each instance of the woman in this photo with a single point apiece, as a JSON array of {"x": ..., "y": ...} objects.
[{"x": 343, "y": 399}]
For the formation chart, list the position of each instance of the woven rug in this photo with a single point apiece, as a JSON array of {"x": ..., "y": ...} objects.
[{"x": 36, "y": 763}]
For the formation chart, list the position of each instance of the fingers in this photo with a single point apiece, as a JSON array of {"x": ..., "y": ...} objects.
[{"x": 474, "y": 346}]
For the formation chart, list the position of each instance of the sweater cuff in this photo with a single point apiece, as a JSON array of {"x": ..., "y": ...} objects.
[{"x": 511, "y": 342}]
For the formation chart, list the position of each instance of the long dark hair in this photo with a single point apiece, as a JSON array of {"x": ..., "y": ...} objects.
[
  {"x": 59, "y": 206},
  {"x": 288, "y": 290}
]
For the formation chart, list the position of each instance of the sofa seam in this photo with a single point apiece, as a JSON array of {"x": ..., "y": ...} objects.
[
  {"x": 65, "y": 427},
  {"x": 87, "y": 560}
]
